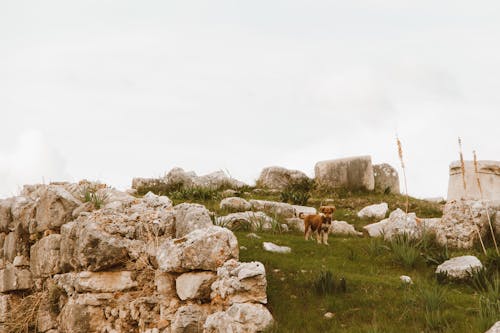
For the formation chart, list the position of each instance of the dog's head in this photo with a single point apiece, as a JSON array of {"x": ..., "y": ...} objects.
[{"x": 327, "y": 210}]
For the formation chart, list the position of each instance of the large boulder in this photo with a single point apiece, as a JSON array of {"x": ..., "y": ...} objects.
[
  {"x": 374, "y": 211},
  {"x": 177, "y": 177},
  {"x": 386, "y": 178},
  {"x": 489, "y": 177},
  {"x": 203, "y": 249},
  {"x": 460, "y": 268},
  {"x": 278, "y": 178},
  {"x": 273, "y": 208},
  {"x": 240, "y": 283},
  {"x": 461, "y": 223},
  {"x": 352, "y": 173},
  {"x": 400, "y": 223},
  {"x": 240, "y": 318},
  {"x": 254, "y": 221},
  {"x": 189, "y": 217},
  {"x": 235, "y": 204},
  {"x": 45, "y": 256}
]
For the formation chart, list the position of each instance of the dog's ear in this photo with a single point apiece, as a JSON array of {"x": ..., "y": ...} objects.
[{"x": 322, "y": 209}]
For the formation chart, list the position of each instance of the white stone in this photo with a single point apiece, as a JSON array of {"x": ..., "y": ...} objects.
[
  {"x": 274, "y": 208},
  {"x": 343, "y": 228},
  {"x": 328, "y": 315},
  {"x": 235, "y": 204},
  {"x": 460, "y": 267},
  {"x": 374, "y": 211},
  {"x": 406, "y": 279},
  {"x": 271, "y": 247},
  {"x": 45, "y": 256},
  {"x": 304, "y": 210},
  {"x": 239, "y": 318},
  {"x": 96, "y": 282},
  {"x": 189, "y": 217},
  {"x": 255, "y": 221},
  {"x": 194, "y": 285},
  {"x": 157, "y": 201},
  {"x": 278, "y": 178},
  {"x": 495, "y": 328}
]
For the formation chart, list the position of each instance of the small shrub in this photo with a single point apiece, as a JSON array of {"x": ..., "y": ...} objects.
[
  {"x": 91, "y": 194},
  {"x": 297, "y": 193}
]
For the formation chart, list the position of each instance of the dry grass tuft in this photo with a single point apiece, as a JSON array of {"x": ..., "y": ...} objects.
[
  {"x": 400, "y": 154},
  {"x": 23, "y": 315}
]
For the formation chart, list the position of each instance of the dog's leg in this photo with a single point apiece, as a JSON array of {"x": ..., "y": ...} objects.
[
  {"x": 307, "y": 232},
  {"x": 325, "y": 237},
  {"x": 318, "y": 236}
]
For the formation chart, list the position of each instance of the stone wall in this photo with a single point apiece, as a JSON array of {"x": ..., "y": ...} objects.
[
  {"x": 351, "y": 173},
  {"x": 133, "y": 265}
]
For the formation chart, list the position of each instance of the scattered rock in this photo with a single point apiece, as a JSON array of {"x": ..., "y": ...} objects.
[
  {"x": 295, "y": 223},
  {"x": 271, "y": 247},
  {"x": 386, "y": 178},
  {"x": 351, "y": 173},
  {"x": 460, "y": 268},
  {"x": 406, "y": 279},
  {"x": 278, "y": 178},
  {"x": 374, "y": 211},
  {"x": 343, "y": 228},
  {"x": 273, "y": 208},
  {"x": 235, "y": 204},
  {"x": 328, "y": 315},
  {"x": 253, "y": 235},
  {"x": 376, "y": 229},
  {"x": 255, "y": 221}
]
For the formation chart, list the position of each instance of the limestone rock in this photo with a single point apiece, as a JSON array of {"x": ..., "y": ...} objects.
[
  {"x": 179, "y": 177},
  {"x": 271, "y": 247},
  {"x": 13, "y": 279},
  {"x": 5, "y": 214},
  {"x": 374, "y": 211},
  {"x": 165, "y": 284},
  {"x": 254, "y": 221},
  {"x": 461, "y": 222},
  {"x": 142, "y": 183},
  {"x": 386, "y": 178},
  {"x": 239, "y": 318},
  {"x": 235, "y": 204},
  {"x": 273, "y": 208},
  {"x": 6, "y": 302},
  {"x": 217, "y": 180},
  {"x": 376, "y": 229},
  {"x": 194, "y": 285},
  {"x": 54, "y": 208},
  {"x": 489, "y": 176},
  {"x": 495, "y": 328},
  {"x": 240, "y": 283},
  {"x": 157, "y": 201},
  {"x": 95, "y": 282},
  {"x": 406, "y": 279},
  {"x": 23, "y": 213},
  {"x": 400, "y": 223},
  {"x": 460, "y": 267},
  {"x": 189, "y": 217},
  {"x": 351, "y": 173},
  {"x": 45, "y": 256},
  {"x": 279, "y": 178},
  {"x": 204, "y": 249},
  {"x": 295, "y": 223},
  {"x": 343, "y": 228},
  {"x": 189, "y": 319}
]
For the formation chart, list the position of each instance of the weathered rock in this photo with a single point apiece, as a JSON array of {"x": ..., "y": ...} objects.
[
  {"x": 217, "y": 179},
  {"x": 240, "y": 283},
  {"x": 376, "y": 229},
  {"x": 460, "y": 267},
  {"x": 343, "y": 228},
  {"x": 235, "y": 204},
  {"x": 5, "y": 214},
  {"x": 239, "y": 318},
  {"x": 157, "y": 201},
  {"x": 400, "y": 223},
  {"x": 271, "y": 247},
  {"x": 5, "y": 306},
  {"x": 45, "y": 256},
  {"x": 273, "y": 208},
  {"x": 142, "y": 183},
  {"x": 304, "y": 210},
  {"x": 54, "y": 208},
  {"x": 295, "y": 223},
  {"x": 23, "y": 213},
  {"x": 80, "y": 318},
  {"x": 16, "y": 243},
  {"x": 254, "y": 221},
  {"x": 85, "y": 245},
  {"x": 489, "y": 176},
  {"x": 13, "y": 278},
  {"x": 204, "y": 249},
  {"x": 279, "y": 178},
  {"x": 21, "y": 261},
  {"x": 189, "y": 217},
  {"x": 495, "y": 328},
  {"x": 165, "y": 284},
  {"x": 374, "y": 211},
  {"x": 179, "y": 177},
  {"x": 351, "y": 173},
  {"x": 406, "y": 279},
  {"x": 189, "y": 319},
  {"x": 194, "y": 285},
  {"x": 95, "y": 282},
  {"x": 461, "y": 222},
  {"x": 386, "y": 178}
]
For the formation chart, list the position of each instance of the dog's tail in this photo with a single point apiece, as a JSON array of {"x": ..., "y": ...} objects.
[{"x": 301, "y": 215}]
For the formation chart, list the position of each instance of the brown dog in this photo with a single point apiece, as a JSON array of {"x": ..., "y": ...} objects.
[{"x": 318, "y": 223}]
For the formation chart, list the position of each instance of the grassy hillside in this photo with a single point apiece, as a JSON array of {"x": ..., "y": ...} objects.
[{"x": 372, "y": 298}]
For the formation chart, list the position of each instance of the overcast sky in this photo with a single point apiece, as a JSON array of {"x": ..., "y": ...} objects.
[{"x": 111, "y": 90}]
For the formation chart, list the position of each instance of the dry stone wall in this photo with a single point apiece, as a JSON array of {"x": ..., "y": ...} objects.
[{"x": 133, "y": 265}]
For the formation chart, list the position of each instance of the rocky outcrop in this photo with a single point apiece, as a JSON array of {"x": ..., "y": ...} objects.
[
  {"x": 254, "y": 221},
  {"x": 374, "y": 211},
  {"x": 462, "y": 223},
  {"x": 273, "y": 208},
  {"x": 278, "y": 178},
  {"x": 123, "y": 264},
  {"x": 386, "y": 178},
  {"x": 235, "y": 204},
  {"x": 350, "y": 173},
  {"x": 460, "y": 268}
]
